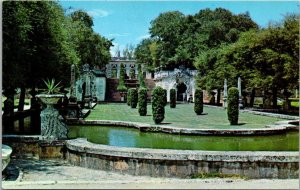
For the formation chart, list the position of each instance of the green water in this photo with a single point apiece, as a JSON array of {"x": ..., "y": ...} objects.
[{"x": 127, "y": 137}]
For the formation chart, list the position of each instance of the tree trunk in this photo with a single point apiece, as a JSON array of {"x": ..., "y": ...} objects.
[
  {"x": 35, "y": 119},
  {"x": 252, "y": 97},
  {"x": 219, "y": 96},
  {"x": 274, "y": 98},
  {"x": 8, "y": 112}
]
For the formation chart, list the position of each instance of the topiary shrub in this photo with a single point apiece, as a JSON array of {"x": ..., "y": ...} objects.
[
  {"x": 142, "y": 100},
  {"x": 132, "y": 73},
  {"x": 141, "y": 77},
  {"x": 121, "y": 87},
  {"x": 134, "y": 98},
  {"x": 172, "y": 98},
  {"x": 165, "y": 97},
  {"x": 198, "y": 105},
  {"x": 158, "y": 108},
  {"x": 128, "y": 97},
  {"x": 233, "y": 105}
]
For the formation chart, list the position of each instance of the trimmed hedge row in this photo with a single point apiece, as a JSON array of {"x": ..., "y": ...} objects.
[
  {"x": 198, "y": 106},
  {"x": 158, "y": 104},
  {"x": 233, "y": 105},
  {"x": 142, "y": 100},
  {"x": 172, "y": 98}
]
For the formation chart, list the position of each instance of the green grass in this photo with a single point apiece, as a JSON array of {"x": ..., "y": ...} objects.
[{"x": 183, "y": 116}]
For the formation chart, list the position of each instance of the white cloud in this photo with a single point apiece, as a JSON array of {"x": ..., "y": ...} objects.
[
  {"x": 119, "y": 35},
  {"x": 98, "y": 13},
  {"x": 143, "y": 37}
]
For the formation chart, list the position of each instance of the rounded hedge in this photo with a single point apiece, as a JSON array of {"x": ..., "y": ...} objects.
[
  {"x": 128, "y": 97},
  {"x": 172, "y": 98},
  {"x": 158, "y": 107},
  {"x": 233, "y": 105},
  {"x": 133, "y": 98},
  {"x": 198, "y": 105},
  {"x": 142, "y": 100}
]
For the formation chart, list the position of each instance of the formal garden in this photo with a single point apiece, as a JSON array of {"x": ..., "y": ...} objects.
[{"x": 206, "y": 95}]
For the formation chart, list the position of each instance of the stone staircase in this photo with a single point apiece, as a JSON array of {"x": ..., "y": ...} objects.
[{"x": 131, "y": 83}]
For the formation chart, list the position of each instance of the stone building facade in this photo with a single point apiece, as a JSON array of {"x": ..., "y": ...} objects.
[{"x": 181, "y": 79}]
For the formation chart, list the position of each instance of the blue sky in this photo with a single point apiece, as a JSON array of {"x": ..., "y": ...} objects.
[{"x": 128, "y": 21}]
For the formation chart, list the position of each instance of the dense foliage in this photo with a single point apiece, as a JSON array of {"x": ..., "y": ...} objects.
[
  {"x": 172, "y": 98},
  {"x": 233, "y": 105},
  {"x": 158, "y": 105},
  {"x": 133, "y": 97},
  {"x": 223, "y": 45},
  {"x": 40, "y": 42},
  {"x": 198, "y": 105},
  {"x": 142, "y": 101},
  {"x": 265, "y": 59},
  {"x": 121, "y": 86},
  {"x": 176, "y": 39}
]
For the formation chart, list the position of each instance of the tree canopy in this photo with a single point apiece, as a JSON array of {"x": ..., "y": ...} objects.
[
  {"x": 176, "y": 39},
  {"x": 40, "y": 41}
]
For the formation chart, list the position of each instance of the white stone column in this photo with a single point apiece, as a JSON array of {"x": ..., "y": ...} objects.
[
  {"x": 240, "y": 92},
  {"x": 118, "y": 71},
  {"x": 225, "y": 94},
  {"x": 87, "y": 85}
]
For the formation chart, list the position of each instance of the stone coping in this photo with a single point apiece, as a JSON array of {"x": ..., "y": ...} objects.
[
  {"x": 276, "y": 128},
  {"x": 42, "y": 141},
  {"x": 81, "y": 145},
  {"x": 6, "y": 151}
]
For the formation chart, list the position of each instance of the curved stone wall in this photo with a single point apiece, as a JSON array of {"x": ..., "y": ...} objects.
[
  {"x": 182, "y": 163},
  {"x": 276, "y": 128}
]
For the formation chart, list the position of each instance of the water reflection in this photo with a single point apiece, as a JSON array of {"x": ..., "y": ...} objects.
[{"x": 126, "y": 137}]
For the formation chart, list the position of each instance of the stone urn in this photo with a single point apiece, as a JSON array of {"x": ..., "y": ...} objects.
[
  {"x": 52, "y": 125},
  {"x": 6, "y": 152}
]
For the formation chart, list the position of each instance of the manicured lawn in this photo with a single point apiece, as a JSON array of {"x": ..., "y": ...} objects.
[{"x": 182, "y": 116}]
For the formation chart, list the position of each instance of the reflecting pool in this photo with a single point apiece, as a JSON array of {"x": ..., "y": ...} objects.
[{"x": 129, "y": 137}]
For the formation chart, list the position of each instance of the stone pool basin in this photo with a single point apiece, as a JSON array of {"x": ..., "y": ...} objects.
[
  {"x": 182, "y": 163},
  {"x": 185, "y": 163}
]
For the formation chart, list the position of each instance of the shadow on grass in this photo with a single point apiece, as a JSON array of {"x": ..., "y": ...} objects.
[
  {"x": 239, "y": 124},
  {"x": 203, "y": 114},
  {"x": 164, "y": 123}
]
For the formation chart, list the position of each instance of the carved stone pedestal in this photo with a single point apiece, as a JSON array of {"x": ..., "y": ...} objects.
[{"x": 52, "y": 125}]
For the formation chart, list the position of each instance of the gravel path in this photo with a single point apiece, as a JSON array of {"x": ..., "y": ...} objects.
[{"x": 57, "y": 174}]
